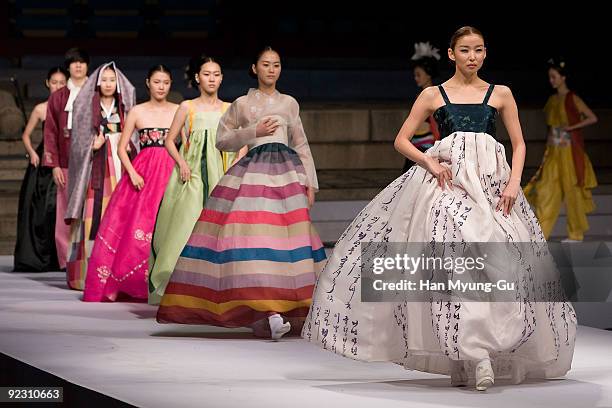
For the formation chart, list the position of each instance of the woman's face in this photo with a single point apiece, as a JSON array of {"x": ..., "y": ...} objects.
[
  {"x": 268, "y": 68},
  {"x": 108, "y": 82},
  {"x": 57, "y": 81},
  {"x": 159, "y": 85},
  {"x": 422, "y": 78},
  {"x": 555, "y": 78},
  {"x": 210, "y": 77},
  {"x": 469, "y": 53}
]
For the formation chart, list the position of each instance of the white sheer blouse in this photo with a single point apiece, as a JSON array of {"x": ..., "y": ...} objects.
[{"x": 237, "y": 126}]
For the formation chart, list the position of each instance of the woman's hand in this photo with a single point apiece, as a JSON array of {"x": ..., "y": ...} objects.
[
  {"x": 185, "y": 171},
  {"x": 98, "y": 141},
  {"x": 58, "y": 177},
  {"x": 137, "y": 181},
  {"x": 508, "y": 197},
  {"x": 34, "y": 159},
  {"x": 441, "y": 173},
  {"x": 266, "y": 127},
  {"x": 310, "y": 193}
]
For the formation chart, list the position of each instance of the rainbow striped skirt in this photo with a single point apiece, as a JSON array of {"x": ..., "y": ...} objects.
[{"x": 253, "y": 251}]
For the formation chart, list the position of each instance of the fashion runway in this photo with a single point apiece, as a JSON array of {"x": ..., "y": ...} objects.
[{"x": 118, "y": 350}]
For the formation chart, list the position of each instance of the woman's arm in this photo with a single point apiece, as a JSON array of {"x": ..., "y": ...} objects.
[
  {"x": 122, "y": 150},
  {"x": 38, "y": 113},
  {"x": 509, "y": 115},
  {"x": 241, "y": 153},
  {"x": 587, "y": 114},
  {"x": 423, "y": 107},
  {"x": 299, "y": 143},
  {"x": 178, "y": 122},
  {"x": 231, "y": 136},
  {"x": 51, "y": 135}
]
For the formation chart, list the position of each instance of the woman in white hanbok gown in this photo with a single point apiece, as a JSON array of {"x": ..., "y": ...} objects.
[{"x": 463, "y": 190}]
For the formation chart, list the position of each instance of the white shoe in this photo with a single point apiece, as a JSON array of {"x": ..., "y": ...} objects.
[
  {"x": 459, "y": 377},
  {"x": 484, "y": 375},
  {"x": 277, "y": 327}
]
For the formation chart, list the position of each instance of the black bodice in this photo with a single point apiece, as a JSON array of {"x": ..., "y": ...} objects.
[{"x": 466, "y": 117}]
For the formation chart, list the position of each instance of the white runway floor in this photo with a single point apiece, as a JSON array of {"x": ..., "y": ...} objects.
[{"x": 120, "y": 351}]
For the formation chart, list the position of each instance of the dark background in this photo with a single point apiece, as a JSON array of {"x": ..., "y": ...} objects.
[{"x": 373, "y": 39}]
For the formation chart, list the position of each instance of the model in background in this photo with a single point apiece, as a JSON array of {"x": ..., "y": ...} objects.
[
  {"x": 35, "y": 249},
  {"x": 118, "y": 265},
  {"x": 254, "y": 253},
  {"x": 566, "y": 174},
  {"x": 57, "y": 134},
  {"x": 425, "y": 69},
  {"x": 199, "y": 166},
  {"x": 99, "y": 117}
]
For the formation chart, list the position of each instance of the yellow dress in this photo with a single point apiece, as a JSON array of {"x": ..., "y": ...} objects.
[{"x": 555, "y": 181}]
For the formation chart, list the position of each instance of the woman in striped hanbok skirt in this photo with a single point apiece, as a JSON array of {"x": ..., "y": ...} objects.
[{"x": 254, "y": 253}]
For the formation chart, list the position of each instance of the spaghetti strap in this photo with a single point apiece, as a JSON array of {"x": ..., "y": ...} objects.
[
  {"x": 444, "y": 96},
  {"x": 225, "y": 107},
  {"x": 189, "y": 125},
  {"x": 488, "y": 95},
  {"x": 190, "y": 117}
]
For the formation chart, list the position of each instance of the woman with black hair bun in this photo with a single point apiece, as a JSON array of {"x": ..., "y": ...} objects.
[
  {"x": 463, "y": 193},
  {"x": 35, "y": 249},
  {"x": 199, "y": 166},
  {"x": 425, "y": 68},
  {"x": 118, "y": 265},
  {"x": 566, "y": 173},
  {"x": 252, "y": 258}
]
